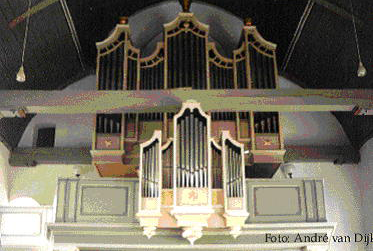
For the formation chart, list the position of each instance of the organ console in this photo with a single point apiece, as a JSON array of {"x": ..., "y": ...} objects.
[{"x": 191, "y": 165}]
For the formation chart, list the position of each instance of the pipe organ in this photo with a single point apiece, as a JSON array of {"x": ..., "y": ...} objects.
[
  {"x": 191, "y": 165},
  {"x": 198, "y": 174}
]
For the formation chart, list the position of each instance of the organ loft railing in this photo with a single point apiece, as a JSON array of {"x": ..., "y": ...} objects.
[
  {"x": 193, "y": 168},
  {"x": 193, "y": 188}
]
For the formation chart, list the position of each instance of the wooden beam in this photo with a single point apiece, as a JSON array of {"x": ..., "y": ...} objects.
[
  {"x": 30, "y": 156},
  {"x": 335, "y": 154},
  {"x": 68, "y": 155},
  {"x": 339, "y": 11},
  {"x": 283, "y": 100}
]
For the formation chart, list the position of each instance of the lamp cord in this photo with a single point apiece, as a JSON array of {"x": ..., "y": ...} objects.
[
  {"x": 26, "y": 32},
  {"x": 356, "y": 37}
]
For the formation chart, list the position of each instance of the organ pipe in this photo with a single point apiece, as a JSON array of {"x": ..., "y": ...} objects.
[
  {"x": 150, "y": 166},
  {"x": 266, "y": 122},
  {"x": 192, "y": 168},
  {"x": 233, "y": 165},
  {"x": 108, "y": 123}
]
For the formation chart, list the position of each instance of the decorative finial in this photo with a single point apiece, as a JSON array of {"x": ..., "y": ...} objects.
[
  {"x": 186, "y": 5},
  {"x": 123, "y": 20},
  {"x": 149, "y": 231},
  {"x": 248, "y": 21}
]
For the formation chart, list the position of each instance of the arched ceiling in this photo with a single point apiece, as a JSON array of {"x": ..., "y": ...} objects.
[{"x": 316, "y": 47}]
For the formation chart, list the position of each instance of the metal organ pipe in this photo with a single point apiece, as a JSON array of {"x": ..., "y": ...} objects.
[
  {"x": 179, "y": 52},
  {"x": 175, "y": 62},
  {"x": 192, "y": 151},
  {"x": 187, "y": 153},
  {"x": 197, "y": 63},
  {"x": 192, "y": 60},
  {"x": 264, "y": 71},
  {"x": 198, "y": 158},
  {"x": 205, "y": 141},
  {"x": 186, "y": 60},
  {"x": 200, "y": 153},
  {"x": 167, "y": 172},
  {"x": 192, "y": 148}
]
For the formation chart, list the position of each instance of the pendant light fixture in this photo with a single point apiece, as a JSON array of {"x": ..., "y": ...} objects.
[
  {"x": 361, "y": 71},
  {"x": 21, "y": 76}
]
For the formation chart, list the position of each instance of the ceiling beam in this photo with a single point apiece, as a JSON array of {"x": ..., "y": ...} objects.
[
  {"x": 338, "y": 10},
  {"x": 283, "y": 100},
  {"x": 31, "y": 156},
  {"x": 336, "y": 154}
]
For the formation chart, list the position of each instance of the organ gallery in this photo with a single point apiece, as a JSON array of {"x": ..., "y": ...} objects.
[{"x": 191, "y": 164}]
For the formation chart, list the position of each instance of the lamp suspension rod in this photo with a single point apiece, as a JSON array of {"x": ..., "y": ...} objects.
[
  {"x": 26, "y": 32},
  {"x": 355, "y": 30}
]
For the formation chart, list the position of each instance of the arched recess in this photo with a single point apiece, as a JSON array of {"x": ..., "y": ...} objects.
[{"x": 147, "y": 24}]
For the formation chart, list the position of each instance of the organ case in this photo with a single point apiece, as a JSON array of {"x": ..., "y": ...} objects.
[
  {"x": 184, "y": 59},
  {"x": 184, "y": 181}
]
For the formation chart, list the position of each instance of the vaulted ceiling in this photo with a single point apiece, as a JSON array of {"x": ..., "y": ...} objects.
[{"x": 315, "y": 38}]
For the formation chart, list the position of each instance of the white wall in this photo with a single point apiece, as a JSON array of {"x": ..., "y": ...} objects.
[
  {"x": 4, "y": 169},
  {"x": 366, "y": 186},
  {"x": 40, "y": 182},
  {"x": 342, "y": 198},
  {"x": 71, "y": 130},
  {"x": 310, "y": 128}
]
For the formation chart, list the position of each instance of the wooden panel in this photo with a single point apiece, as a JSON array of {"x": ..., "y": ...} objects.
[
  {"x": 146, "y": 129},
  {"x": 276, "y": 201},
  {"x": 108, "y": 142},
  {"x": 71, "y": 191},
  {"x": 235, "y": 204},
  {"x": 61, "y": 192},
  {"x": 116, "y": 170},
  {"x": 267, "y": 142},
  {"x": 244, "y": 127},
  {"x": 131, "y": 148},
  {"x": 95, "y": 203},
  {"x": 222, "y": 125},
  {"x": 167, "y": 197},
  {"x": 192, "y": 196},
  {"x": 130, "y": 128},
  {"x": 170, "y": 128},
  {"x": 319, "y": 192},
  {"x": 149, "y": 203},
  {"x": 289, "y": 200},
  {"x": 217, "y": 197},
  {"x": 310, "y": 200},
  {"x": 136, "y": 198},
  {"x": 266, "y": 156}
]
